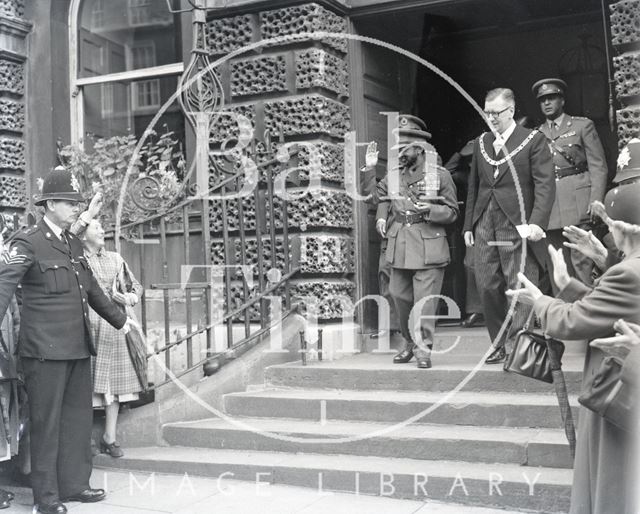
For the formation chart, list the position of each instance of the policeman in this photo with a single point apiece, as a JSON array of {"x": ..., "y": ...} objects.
[
  {"x": 54, "y": 344},
  {"x": 414, "y": 208},
  {"x": 580, "y": 169}
]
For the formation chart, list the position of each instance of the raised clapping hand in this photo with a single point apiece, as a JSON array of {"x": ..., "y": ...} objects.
[
  {"x": 371, "y": 157},
  {"x": 95, "y": 205},
  {"x": 628, "y": 336},
  {"x": 585, "y": 243},
  {"x": 527, "y": 294},
  {"x": 560, "y": 273}
]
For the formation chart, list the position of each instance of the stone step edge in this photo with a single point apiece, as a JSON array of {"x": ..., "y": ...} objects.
[{"x": 513, "y": 473}]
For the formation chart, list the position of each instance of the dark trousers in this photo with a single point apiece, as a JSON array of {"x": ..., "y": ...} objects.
[
  {"x": 384, "y": 278},
  {"x": 61, "y": 420},
  {"x": 578, "y": 265},
  {"x": 473, "y": 302},
  {"x": 497, "y": 261},
  {"x": 406, "y": 288}
]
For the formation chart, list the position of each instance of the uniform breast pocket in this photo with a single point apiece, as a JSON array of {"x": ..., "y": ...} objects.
[{"x": 56, "y": 276}]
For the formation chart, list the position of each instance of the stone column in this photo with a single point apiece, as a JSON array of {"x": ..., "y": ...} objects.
[
  {"x": 13, "y": 54},
  {"x": 301, "y": 90},
  {"x": 625, "y": 36}
]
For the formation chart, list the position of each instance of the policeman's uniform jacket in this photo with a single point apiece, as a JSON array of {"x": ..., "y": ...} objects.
[
  {"x": 417, "y": 240},
  {"x": 580, "y": 170},
  {"x": 57, "y": 289}
]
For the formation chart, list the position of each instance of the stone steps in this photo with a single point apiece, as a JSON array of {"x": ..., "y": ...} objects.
[
  {"x": 543, "y": 490},
  {"x": 523, "y": 446},
  {"x": 533, "y": 410},
  {"x": 376, "y": 372}
]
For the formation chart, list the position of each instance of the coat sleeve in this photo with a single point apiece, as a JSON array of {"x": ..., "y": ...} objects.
[
  {"x": 369, "y": 185},
  {"x": 384, "y": 205},
  {"x": 544, "y": 181},
  {"x": 614, "y": 297},
  {"x": 103, "y": 306},
  {"x": 631, "y": 368},
  {"x": 596, "y": 161},
  {"x": 574, "y": 290},
  {"x": 472, "y": 190},
  {"x": 446, "y": 210},
  {"x": 12, "y": 269}
]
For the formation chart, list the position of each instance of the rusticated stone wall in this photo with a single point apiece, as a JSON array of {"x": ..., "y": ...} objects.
[
  {"x": 13, "y": 31},
  {"x": 625, "y": 36},
  {"x": 297, "y": 91}
]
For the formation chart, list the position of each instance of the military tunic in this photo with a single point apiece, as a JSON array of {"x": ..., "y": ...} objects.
[
  {"x": 57, "y": 289},
  {"x": 581, "y": 178},
  {"x": 417, "y": 251}
]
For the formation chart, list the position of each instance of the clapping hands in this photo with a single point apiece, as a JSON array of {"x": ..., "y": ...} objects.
[{"x": 627, "y": 336}]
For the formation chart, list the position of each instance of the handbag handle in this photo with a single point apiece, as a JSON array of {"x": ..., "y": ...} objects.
[{"x": 529, "y": 318}]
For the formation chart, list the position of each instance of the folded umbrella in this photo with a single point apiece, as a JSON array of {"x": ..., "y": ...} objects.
[{"x": 561, "y": 392}]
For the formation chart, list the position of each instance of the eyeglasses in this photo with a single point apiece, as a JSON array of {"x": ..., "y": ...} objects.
[{"x": 493, "y": 114}]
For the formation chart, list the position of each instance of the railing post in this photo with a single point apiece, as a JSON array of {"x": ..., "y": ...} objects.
[
  {"x": 320, "y": 344},
  {"x": 303, "y": 348}
]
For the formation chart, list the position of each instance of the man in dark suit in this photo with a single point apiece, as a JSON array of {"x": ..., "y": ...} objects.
[
  {"x": 511, "y": 191},
  {"x": 580, "y": 170},
  {"x": 55, "y": 345}
]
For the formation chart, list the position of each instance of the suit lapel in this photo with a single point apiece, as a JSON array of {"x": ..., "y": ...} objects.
[
  {"x": 488, "y": 140},
  {"x": 518, "y": 135}
]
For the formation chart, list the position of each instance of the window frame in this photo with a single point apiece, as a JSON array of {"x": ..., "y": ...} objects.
[{"x": 76, "y": 84}]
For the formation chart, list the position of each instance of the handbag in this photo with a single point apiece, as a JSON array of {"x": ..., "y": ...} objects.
[
  {"x": 608, "y": 396},
  {"x": 530, "y": 355}
]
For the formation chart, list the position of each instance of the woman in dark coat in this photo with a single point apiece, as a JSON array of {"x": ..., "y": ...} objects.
[{"x": 581, "y": 312}]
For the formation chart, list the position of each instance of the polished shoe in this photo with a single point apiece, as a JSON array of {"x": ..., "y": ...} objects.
[
  {"x": 424, "y": 363},
  {"x": 87, "y": 496},
  {"x": 112, "y": 449},
  {"x": 403, "y": 357},
  {"x": 475, "y": 319},
  {"x": 50, "y": 508},
  {"x": 7, "y": 494},
  {"x": 5, "y": 502},
  {"x": 497, "y": 356}
]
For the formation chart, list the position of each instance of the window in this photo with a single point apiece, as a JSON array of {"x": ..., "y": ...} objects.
[
  {"x": 143, "y": 55},
  {"x": 97, "y": 14},
  {"x": 146, "y": 94},
  {"x": 139, "y": 12},
  {"x": 121, "y": 74}
]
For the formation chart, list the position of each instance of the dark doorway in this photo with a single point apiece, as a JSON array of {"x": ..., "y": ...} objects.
[{"x": 483, "y": 44}]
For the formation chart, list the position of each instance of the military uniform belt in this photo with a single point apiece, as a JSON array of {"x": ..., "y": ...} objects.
[
  {"x": 567, "y": 172},
  {"x": 409, "y": 219}
]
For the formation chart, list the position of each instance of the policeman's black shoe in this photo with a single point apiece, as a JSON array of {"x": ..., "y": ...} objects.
[
  {"x": 403, "y": 357},
  {"x": 5, "y": 502},
  {"x": 87, "y": 496},
  {"x": 424, "y": 363},
  {"x": 50, "y": 508},
  {"x": 498, "y": 356},
  {"x": 475, "y": 319},
  {"x": 7, "y": 494}
]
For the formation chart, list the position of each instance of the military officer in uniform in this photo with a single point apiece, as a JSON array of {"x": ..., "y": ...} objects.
[
  {"x": 413, "y": 219},
  {"x": 54, "y": 344},
  {"x": 580, "y": 171}
]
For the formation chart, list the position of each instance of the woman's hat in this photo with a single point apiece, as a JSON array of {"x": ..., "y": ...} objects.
[
  {"x": 59, "y": 184},
  {"x": 620, "y": 204}
]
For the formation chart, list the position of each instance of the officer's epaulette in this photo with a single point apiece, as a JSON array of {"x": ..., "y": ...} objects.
[{"x": 579, "y": 117}]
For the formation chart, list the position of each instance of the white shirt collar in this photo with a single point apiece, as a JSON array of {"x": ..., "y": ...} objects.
[
  {"x": 558, "y": 121},
  {"x": 507, "y": 133},
  {"x": 54, "y": 228}
]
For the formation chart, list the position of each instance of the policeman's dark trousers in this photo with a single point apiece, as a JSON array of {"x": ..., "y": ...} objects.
[
  {"x": 578, "y": 265},
  {"x": 61, "y": 419},
  {"x": 497, "y": 260},
  {"x": 406, "y": 288}
]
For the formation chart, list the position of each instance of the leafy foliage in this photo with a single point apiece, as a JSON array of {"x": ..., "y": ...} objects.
[{"x": 152, "y": 177}]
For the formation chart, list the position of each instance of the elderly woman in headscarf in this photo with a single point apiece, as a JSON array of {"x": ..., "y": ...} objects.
[{"x": 582, "y": 312}]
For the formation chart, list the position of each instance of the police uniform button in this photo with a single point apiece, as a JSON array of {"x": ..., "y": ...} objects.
[
  {"x": 80, "y": 286},
  {"x": 84, "y": 300},
  {"x": 55, "y": 266}
]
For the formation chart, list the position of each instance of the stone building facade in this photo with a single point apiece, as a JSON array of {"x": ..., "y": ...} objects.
[{"x": 307, "y": 91}]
